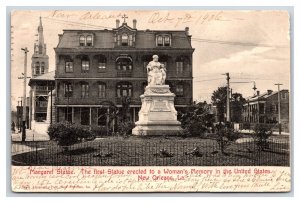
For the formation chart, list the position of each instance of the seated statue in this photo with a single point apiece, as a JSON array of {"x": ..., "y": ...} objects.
[{"x": 156, "y": 72}]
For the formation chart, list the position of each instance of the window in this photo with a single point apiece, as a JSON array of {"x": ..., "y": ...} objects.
[
  {"x": 82, "y": 40},
  {"x": 85, "y": 66},
  {"x": 160, "y": 41},
  {"x": 130, "y": 40},
  {"x": 274, "y": 108},
  {"x": 84, "y": 90},
  {"x": 124, "y": 63},
  {"x": 283, "y": 95},
  {"x": 179, "y": 90},
  {"x": 68, "y": 114},
  {"x": 68, "y": 90},
  {"x": 37, "y": 68},
  {"x": 101, "y": 90},
  {"x": 69, "y": 67},
  {"x": 102, "y": 116},
  {"x": 167, "y": 41},
  {"x": 183, "y": 65},
  {"x": 124, "y": 39},
  {"x": 101, "y": 66},
  {"x": 84, "y": 116},
  {"x": 101, "y": 63},
  {"x": 89, "y": 41},
  {"x": 119, "y": 40},
  {"x": 179, "y": 67},
  {"x": 43, "y": 68},
  {"x": 163, "y": 40},
  {"x": 124, "y": 90}
]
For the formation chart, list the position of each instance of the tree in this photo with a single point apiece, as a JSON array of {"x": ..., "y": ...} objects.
[
  {"x": 226, "y": 136},
  {"x": 218, "y": 99},
  {"x": 261, "y": 134},
  {"x": 196, "y": 119},
  {"x": 236, "y": 104}
]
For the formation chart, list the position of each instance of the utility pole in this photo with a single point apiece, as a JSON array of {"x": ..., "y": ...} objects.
[
  {"x": 279, "y": 104},
  {"x": 24, "y": 95},
  {"x": 227, "y": 98},
  {"x": 51, "y": 104}
]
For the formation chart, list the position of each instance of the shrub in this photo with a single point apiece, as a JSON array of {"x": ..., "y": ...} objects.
[
  {"x": 125, "y": 127},
  {"x": 196, "y": 119},
  {"x": 246, "y": 126},
  {"x": 261, "y": 134},
  {"x": 226, "y": 135},
  {"x": 99, "y": 130},
  {"x": 67, "y": 134}
]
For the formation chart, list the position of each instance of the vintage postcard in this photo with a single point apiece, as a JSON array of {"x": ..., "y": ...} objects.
[{"x": 150, "y": 101}]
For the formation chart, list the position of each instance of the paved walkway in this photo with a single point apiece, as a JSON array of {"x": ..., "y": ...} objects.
[
  {"x": 21, "y": 148},
  {"x": 30, "y": 136},
  {"x": 274, "y": 133}
]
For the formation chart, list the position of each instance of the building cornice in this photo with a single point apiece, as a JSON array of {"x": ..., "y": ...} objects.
[
  {"x": 114, "y": 78},
  {"x": 118, "y": 49}
]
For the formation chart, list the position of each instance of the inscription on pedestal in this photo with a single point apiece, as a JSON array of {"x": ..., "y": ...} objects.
[{"x": 160, "y": 106}]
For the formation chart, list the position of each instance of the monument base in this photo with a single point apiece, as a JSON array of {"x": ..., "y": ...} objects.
[{"x": 157, "y": 115}]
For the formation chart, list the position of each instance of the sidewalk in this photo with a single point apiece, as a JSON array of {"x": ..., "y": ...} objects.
[
  {"x": 20, "y": 149},
  {"x": 274, "y": 133},
  {"x": 30, "y": 136}
]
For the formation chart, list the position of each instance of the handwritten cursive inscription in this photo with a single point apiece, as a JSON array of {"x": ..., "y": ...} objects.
[{"x": 150, "y": 179}]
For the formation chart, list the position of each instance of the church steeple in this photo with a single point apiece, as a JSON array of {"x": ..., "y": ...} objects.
[
  {"x": 40, "y": 33},
  {"x": 40, "y": 46},
  {"x": 40, "y": 60}
]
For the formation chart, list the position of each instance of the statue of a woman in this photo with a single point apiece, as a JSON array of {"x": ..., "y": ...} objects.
[{"x": 156, "y": 72}]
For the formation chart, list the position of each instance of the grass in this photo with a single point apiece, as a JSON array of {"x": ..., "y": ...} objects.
[{"x": 137, "y": 151}]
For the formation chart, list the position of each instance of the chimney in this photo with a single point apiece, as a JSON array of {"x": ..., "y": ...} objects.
[
  {"x": 270, "y": 92},
  {"x": 59, "y": 37},
  {"x": 257, "y": 93},
  {"x": 187, "y": 29},
  {"x": 117, "y": 23},
  {"x": 134, "y": 23}
]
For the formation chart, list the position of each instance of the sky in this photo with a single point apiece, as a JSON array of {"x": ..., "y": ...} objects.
[{"x": 253, "y": 46}]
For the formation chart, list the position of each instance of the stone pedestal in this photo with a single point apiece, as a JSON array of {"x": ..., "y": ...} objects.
[{"x": 157, "y": 115}]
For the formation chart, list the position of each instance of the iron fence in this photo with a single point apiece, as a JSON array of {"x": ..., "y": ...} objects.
[{"x": 202, "y": 152}]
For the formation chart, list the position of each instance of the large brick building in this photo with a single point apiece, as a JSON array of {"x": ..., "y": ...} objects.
[
  {"x": 263, "y": 108},
  {"x": 93, "y": 66}
]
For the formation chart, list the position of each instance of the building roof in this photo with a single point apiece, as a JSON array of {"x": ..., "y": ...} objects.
[
  {"x": 263, "y": 96},
  {"x": 45, "y": 77},
  {"x": 144, "y": 38}
]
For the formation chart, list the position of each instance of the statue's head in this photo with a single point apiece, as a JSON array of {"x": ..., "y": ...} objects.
[{"x": 155, "y": 58}]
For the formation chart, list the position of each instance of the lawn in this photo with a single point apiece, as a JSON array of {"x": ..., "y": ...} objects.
[{"x": 153, "y": 151}]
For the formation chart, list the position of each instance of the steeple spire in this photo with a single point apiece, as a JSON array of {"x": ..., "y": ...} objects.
[{"x": 41, "y": 37}]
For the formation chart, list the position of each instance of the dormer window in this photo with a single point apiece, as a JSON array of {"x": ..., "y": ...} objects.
[
  {"x": 163, "y": 40},
  {"x": 124, "y": 39},
  {"x": 86, "y": 40},
  {"x": 160, "y": 41},
  {"x": 130, "y": 40},
  {"x": 89, "y": 41},
  {"x": 167, "y": 41},
  {"x": 82, "y": 40}
]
